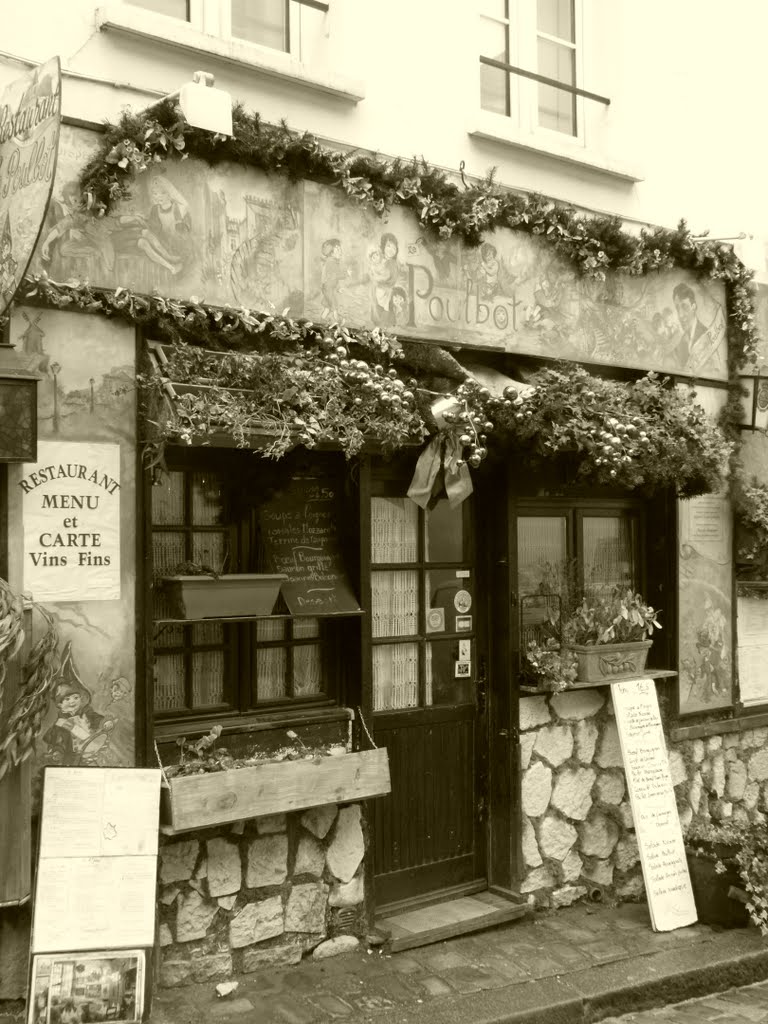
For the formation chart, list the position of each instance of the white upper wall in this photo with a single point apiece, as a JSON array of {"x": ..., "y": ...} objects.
[{"x": 402, "y": 77}]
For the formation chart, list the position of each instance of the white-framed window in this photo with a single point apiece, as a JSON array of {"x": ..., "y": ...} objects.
[
  {"x": 531, "y": 65},
  {"x": 284, "y": 25}
]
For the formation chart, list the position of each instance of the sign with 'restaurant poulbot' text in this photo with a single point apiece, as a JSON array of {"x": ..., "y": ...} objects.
[{"x": 71, "y": 508}]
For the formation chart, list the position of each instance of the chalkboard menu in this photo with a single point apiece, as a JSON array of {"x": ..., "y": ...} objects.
[{"x": 299, "y": 529}]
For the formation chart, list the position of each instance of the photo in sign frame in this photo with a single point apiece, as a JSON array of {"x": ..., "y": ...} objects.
[{"x": 69, "y": 988}]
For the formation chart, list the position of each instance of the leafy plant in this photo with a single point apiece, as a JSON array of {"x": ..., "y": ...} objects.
[
  {"x": 745, "y": 846},
  {"x": 193, "y": 569},
  {"x": 549, "y": 666},
  {"x": 621, "y": 616}
]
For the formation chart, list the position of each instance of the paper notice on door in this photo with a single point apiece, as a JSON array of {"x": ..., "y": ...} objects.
[{"x": 659, "y": 837}]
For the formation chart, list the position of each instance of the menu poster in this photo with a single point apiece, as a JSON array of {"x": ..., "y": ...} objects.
[
  {"x": 300, "y": 532},
  {"x": 752, "y": 650},
  {"x": 659, "y": 837}
]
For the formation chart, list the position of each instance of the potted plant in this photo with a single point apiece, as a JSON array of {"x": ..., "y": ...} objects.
[
  {"x": 548, "y": 666},
  {"x": 728, "y": 865},
  {"x": 610, "y": 634},
  {"x": 210, "y": 786},
  {"x": 197, "y": 591}
]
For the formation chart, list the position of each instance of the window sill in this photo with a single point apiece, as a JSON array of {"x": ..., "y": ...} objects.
[
  {"x": 496, "y": 128},
  {"x": 652, "y": 673},
  {"x": 134, "y": 21},
  {"x": 170, "y": 729}
]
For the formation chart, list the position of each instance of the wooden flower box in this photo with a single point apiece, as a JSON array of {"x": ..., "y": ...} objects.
[
  {"x": 607, "y": 663},
  {"x": 216, "y": 597},
  {"x": 216, "y": 798},
  {"x": 719, "y": 896}
]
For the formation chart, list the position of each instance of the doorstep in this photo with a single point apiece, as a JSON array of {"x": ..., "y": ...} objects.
[{"x": 446, "y": 919}]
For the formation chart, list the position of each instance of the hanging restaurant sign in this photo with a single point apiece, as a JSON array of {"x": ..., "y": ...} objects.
[{"x": 30, "y": 119}]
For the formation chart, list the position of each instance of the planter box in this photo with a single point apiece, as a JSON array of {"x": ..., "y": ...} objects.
[
  {"x": 606, "y": 663},
  {"x": 719, "y": 898},
  {"x": 199, "y": 801},
  {"x": 209, "y": 597}
]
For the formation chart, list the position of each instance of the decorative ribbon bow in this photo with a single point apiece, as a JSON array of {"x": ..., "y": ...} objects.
[{"x": 437, "y": 468}]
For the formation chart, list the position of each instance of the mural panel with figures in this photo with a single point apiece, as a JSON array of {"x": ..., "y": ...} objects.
[
  {"x": 86, "y": 394},
  {"x": 235, "y": 236}
]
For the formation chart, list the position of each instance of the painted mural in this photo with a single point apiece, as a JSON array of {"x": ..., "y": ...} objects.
[
  {"x": 705, "y": 602},
  {"x": 86, "y": 394},
  {"x": 234, "y": 236}
]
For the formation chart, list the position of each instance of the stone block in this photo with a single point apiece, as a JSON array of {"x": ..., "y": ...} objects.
[
  {"x": 599, "y": 871},
  {"x": 310, "y": 857},
  {"x": 571, "y": 867},
  {"x": 267, "y": 861},
  {"x": 212, "y": 966},
  {"x": 677, "y": 770},
  {"x": 177, "y": 860},
  {"x": 761, "y": 736},
  {"x": 556, "y": 837},
  {"x": 225, "y": 873},
  {"x": 270, "y": 824},
  {"x": 630, "y": 888},
  {"x": 348, "y": 846},
  {"x": 332, "y": 947},
  {"x": 347, "y": 894},
  {"x": 227, "y": 902},
  {"x": 169, "y": 894},
  {"x": 731, "y": 740},
  {"x": 609, "y": 787},
  {"x": 536, "y": 789},
  {"x": 585, "y": 735},
  {"x": 531, "y": 854},
  {"x": 306, "y": 908},
  {"x": 737, "y": 780},
  {"x": 697, "y": 751},
  {"x": 608, "y": 749},
  {"x": 695, "y": 789},
  {"x": 714, "y": 743},
  {"x": 193, "y": 916},
  {"x": 202, "y": 869},
  {"x": 174, "y": 973},
  {"x": 685, "y": 814},
  {"x": 572, "y": 794},
  {"x": 257, "y": 922},
  {"x": 748, "y": 739},
  {"x": 257, "y": 957},
  {"x": 539, "y": 878},
  {"x": 554, "y": 744},
  {"x": 318, "y": 820},
  {"x": 721, "y": 810},
  {"x": 627, "y": 853},
  {"x": 164, "y": 936},
  {"x": 567, "y": 895},
  {"x": 574, "y": 705},
  {"x": 732, "y": 754},
  {"x": 533, "y": 713},
  {"x": 598, "y": 835},
  {"x": 757, "y": 766},
  {"x": 624, "y": 811},
  {"x": 717, "y": 776},
  {"x": 527, "y": 741},
  {"x": 751, "y": 796}
]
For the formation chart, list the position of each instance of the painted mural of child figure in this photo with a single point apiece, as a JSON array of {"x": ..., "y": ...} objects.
[
  {"x": 384, "y": 270},
  {"x": 331, "y": 277},
  {"x": 79, "y": 733}
]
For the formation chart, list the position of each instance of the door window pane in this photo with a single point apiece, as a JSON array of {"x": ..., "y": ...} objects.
[
  {"x": 168, "y": 500},
  {"x": 445, "y": 533},
  {"x": 449, "y": 594},
  {"x": 207, "y": 499},
  {"x": 449, "y": 681},
  {"x": 610, "y": 552},
  {"x": 263, "y": 22},
  {"x": 555, "y": 17},
  {"x": 395, "y": 676},
  {"x": 394, "y": 604},
  {"x": 169, "y": 682},
  {"x": 394, "y": 530}
]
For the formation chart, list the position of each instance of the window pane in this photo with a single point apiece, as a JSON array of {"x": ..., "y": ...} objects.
[
  {"x": 555, "y": 17},
  {"x": 168, "y": 500},
  {"x": 557, "y": 108},
  {"x": 394, "y": 605},
  {"x": 261, "y": 22},
  {"x": 493, "y": 39},
  {"x": 173, "y": 8},
  {"x": 394, "y": 530},
  {"x": 395, "y": 676},
  {"x": 303, "y": 628},
  {"x": 168, "y": 549},
  {"x": 610, "y": 552},
  {"x": 207, "y": 499},
  {"x": 209, "y": 549},
  {"x": 207, "y": 634},
  {"x": 207, "y": 678},
  {"x": 270, "y": 629},
  {"x": 449, "y": 596},
  {"x": 306, "y": 671},
  {"x": 271, "y": 674},
  {"x": 541, "y": 554},
  {"x": 169, "y": 682},
  {"x": 493, "y": 90},
  {"x": 445, "y": 533},
  {"x": 443, "y": 684}
]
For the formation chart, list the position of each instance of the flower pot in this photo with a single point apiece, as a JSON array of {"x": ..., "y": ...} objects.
[
  {"x": 720, "y": 896},
  {"x": 605, "y": 663},
  {"x": 216, "y": 798},
  {"x": 216, "y": 597}
]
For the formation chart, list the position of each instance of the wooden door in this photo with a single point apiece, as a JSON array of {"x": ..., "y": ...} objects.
[{"x": 426, "y": 675}]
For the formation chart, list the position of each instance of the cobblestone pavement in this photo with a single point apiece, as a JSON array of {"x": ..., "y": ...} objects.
[{"x": 747, "y": 1005}]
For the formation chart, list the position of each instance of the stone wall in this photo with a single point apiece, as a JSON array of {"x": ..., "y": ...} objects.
[
  {"x": 578, "y": 832},
  {"x": 266, "y": 891}
]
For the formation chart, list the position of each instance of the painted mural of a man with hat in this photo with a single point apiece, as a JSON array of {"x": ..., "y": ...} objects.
[{"x": 8, "y": 264}]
